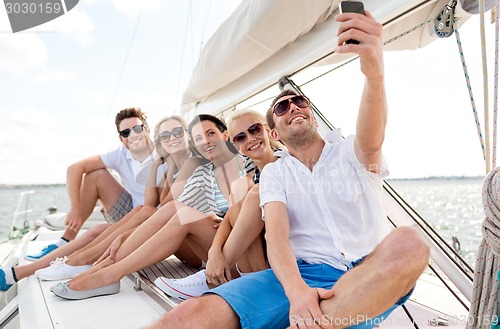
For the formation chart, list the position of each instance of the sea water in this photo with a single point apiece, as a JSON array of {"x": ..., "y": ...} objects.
[
  {"x": 452, "y": 206},
  {"x": 45, "y": 198}
]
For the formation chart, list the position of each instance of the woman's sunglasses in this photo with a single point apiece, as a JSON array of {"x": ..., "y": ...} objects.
[
  {"x": 126, "y": 132},
  {"x": 282, "y": 107},
  {"x": 178, "y": 132},
  {"x": 255, "y": 130}
]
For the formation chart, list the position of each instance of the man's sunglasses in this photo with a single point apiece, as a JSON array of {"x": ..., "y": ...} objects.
[
  {"x": 283, "y": 106},
  {"x": 255, "y": 130},
  {"x": 178, "y": 132},
  {"x": 126, "y": 132}
]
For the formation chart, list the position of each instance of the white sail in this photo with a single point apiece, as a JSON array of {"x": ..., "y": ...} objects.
[{"x": 264, "y": 40}]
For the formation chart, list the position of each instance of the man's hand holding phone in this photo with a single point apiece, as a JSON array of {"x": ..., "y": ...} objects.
[
  {"x": 364, "y": 29},
  {"x": 352, "y": 7}
]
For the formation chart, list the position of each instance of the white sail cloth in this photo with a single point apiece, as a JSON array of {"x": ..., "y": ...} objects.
[
  {"x": 264, "y": 40},
  {"x": 256, "y": 31},
  {"x": 485, "y": 286}
]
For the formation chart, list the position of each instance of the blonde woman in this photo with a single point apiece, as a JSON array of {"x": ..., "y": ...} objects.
[
  {"x": 172, "y": 146},
  {"x": 238, "y": 245},
  {"x": 186, "y": 222}
]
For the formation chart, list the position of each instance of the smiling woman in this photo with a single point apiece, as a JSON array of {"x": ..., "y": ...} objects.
[
  {"x": 185, "y": 226},
  {"x": 60, "y": 87},
  {"x": 238, "y": 247}
]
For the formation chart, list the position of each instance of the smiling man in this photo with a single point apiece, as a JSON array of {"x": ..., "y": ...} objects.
[
  {"x": 334, "y": 263},
  {"x": 89, "y": 180}
]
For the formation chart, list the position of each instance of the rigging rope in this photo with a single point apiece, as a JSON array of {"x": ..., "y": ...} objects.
[
  {"x": 122, "y": 69},
  {"x": 485, "y": 83},
  {"x": 471, "y": 96},
  {"x": 484, "y": 305},
  {"x": 419, "y": 26},
  {"x": 495, "y": 93},
  {"x": 466, "y": 269},
  {"x": 485, "y": 284},
  {"x": 205, "y": 26},
  {"x": 188, "y": 20}
]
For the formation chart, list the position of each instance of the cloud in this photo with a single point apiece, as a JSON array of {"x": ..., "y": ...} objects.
[
  {"x": 46, "y": 75},
  {"x": 27, "y": 142},
  {"x": 38, "y": 145},
  {"x": 133, "y": 7},
  {"x": 31, "y": 118},
  {"x": 75, "y": 25},
  {"x": 20, "y": 53},
  {"x": 26, "y": 54}
]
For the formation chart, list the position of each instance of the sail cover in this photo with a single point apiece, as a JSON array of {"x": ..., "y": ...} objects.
[{"x": 264, "y": 40}]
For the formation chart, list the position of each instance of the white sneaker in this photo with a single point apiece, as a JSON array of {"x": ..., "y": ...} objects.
[
  {"x": 59, "y": 270},
  {"x": 192, "y": 286}
]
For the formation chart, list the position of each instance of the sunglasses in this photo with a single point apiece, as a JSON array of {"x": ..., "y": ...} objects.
[
  {"x": 126, "y": 132},
  {"x": 255, "y": 130},
  {"x": 283, "y": 106},
  {"x": 178, "y": 132}
]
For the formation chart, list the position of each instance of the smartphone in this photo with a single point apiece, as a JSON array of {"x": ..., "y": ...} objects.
[{"x": 352, "y": 7}]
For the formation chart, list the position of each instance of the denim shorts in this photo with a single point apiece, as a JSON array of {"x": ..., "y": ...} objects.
[{"x": 260, "y": 301}]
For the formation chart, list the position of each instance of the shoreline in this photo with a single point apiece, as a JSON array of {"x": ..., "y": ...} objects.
[
  {"x": 433, "y": 178},
  {"x": 29, "y": 186}
]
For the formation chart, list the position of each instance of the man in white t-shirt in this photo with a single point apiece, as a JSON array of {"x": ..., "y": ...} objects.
[
  {"x": 89, "y": 180},
  {"x": 333, "y": 262}
]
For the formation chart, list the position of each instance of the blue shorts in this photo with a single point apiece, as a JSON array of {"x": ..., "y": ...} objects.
[{"x": 260, "y": 301}]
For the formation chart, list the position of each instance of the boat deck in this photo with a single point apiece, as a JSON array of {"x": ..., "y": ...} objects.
[
  {"x": 169, "y": 268},
  {"x": 140, "y": 303}
]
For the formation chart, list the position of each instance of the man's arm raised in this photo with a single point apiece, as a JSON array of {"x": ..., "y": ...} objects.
[{"x": 372, "y": 116}]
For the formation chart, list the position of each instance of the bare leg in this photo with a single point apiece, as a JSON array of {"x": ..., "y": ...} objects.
[
  {"x": 80, "y": 246},
  {"x": 244, "y": 244},
  {"x": 136, "y": 253},
  {"x": 187, "y": 254},
  {"x": 98, "y": 184},
  {"x": 210, "y": 311},
  {"x": 385, "y": 276},
  {"x": 28, "y": 269},
  {"x": 93, "y": 251},
  {"x": 128, "y": 217},
  {"x": 149, "y": 228},
  {"x": 141, "y": 234}
]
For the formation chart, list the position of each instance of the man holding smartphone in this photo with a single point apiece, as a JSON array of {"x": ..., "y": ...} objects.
[{"x": 333, "y": 265}]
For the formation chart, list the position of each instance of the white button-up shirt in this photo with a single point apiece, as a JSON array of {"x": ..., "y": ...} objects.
[
  {"x": 134, "y": 174},
  {"x": 335, "y": 211}
]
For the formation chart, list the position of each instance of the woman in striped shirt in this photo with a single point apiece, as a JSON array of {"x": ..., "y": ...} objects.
[
  {"x": 238, "y": 246},
  {"x": 172, "y": 146},
  {"x": 191, "y": 221}
]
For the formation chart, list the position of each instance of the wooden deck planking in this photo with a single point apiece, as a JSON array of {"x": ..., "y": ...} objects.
[{"x": 171, "y": 268}]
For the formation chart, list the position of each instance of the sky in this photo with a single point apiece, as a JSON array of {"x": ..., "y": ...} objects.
[{"x": 62, "y": 83}]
